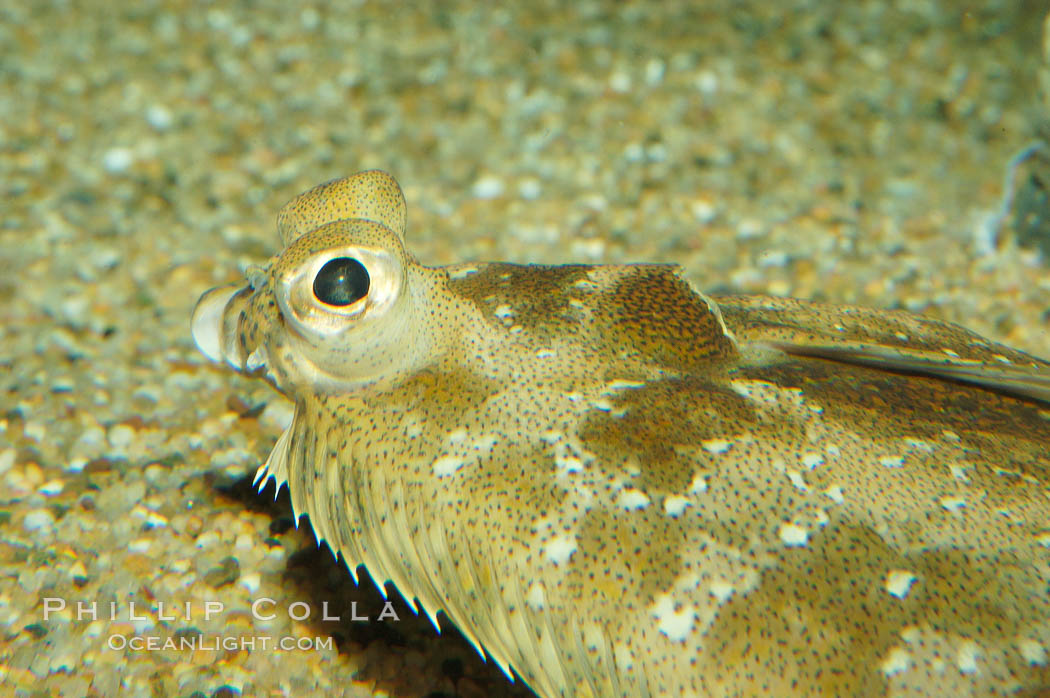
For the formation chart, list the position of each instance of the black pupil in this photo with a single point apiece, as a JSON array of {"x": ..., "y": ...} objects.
[{"x": 341, "y": 281}]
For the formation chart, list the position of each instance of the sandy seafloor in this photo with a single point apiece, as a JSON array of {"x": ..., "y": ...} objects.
[{"x": 843, "y": 151}]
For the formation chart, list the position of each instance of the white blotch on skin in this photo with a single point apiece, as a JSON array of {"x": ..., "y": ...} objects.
[
  {"x": 1033, "y": 652},
  {"x": 898, "y": 582},
  {"x": 687, "y": 582},
  {"x": 759, "y": 391},
  {"x": 950, "y": 352},
  {"x": 675, "y": 504},
  {"x": 567, "y": 460},
  {"x": 959, "y": 473},
  {"x": 950, "y": 435},
  {"x": 602, "y": 404},
  {"x": 835, "y": 492},
  {"x": 796, "y": 479},
  {"x": 911, "y": 634},
  {"x": 721, "y": 590},
  {"x": 446, "y": 465},
  {"x": 544, "y": 353},
  {"x": 891, "y": 461},
  {"x": 896, "y": 661},
  {"x": 484, "y": 442},
  {"x": 631, "y": 499},
  {"x": 577, "y": 304},
  {"x": 812, "y": 460},
  {"x": 462, "y": 272},
  {"x": 966, "y": 657},
  {"x": 593, "y": 637},
  {"x": 503, "y": 311},
  {"x": 920, "y": 445},
  {"x": 568, "y": 463},
  {"x": 953, "y": 504},
  {"x": 551, "y": 436},
  {"x": 560, "y": 548},
  {"x": 715, "y": 445},
  {"x": 624, "y": 658},
  {"x": 542, "y": 524},
  {"x": 457, "y": 436},
  {"x": 536, "y": 597},
  {"x": 676, "y": 625},
  {"x": 793, "y": 536},
  {"x": 622, "y": 385},
  {"x": 699, "y": 484},
  {"x": 1043, "y": 539}
]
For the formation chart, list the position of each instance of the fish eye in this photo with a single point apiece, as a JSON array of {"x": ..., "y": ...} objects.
[{"x": 341, "y": 281}]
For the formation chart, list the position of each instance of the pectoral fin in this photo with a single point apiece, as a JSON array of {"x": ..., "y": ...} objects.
[
  {"x": 889, "y": 340},
  {"x": 1031, "y": 382}
]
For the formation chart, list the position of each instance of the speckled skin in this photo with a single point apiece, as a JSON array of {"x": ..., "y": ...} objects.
[{"x": 619, "y": 486}]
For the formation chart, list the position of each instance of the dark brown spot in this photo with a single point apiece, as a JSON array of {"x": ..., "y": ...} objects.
[{"x": 661, "y": 431}]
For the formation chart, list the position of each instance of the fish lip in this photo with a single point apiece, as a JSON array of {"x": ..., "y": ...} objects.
[{"x": 208, "y": 320}]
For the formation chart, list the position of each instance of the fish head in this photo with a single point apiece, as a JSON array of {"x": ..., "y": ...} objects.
[{"x": 332, "y": 311}]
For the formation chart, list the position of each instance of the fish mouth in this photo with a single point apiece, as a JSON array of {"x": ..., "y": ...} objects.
[{"x": 215, "y": 321}]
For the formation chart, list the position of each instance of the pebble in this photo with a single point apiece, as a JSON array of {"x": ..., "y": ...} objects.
[
  {"x": 75, "y": 465},
  {"x": 530, "y": 188},
  {"x": 51, "y": 488},
  {"x": 277, "y": 415},
  {"x": 7, "y": 459},
  {"x": 488, "y": 187},
  {"x": 620, "y": 82},
  {"x": 38, "y": 519},
  {"x": 90, "y": 439},
  {"x": 37, "y": 431},
  {"x": 703, "y": 210},
  {"x": 226, "y": 573},
  {"x": 117, "y": 160},
  {"x": 750, "y": 229},
  {"x": 121, "y": 436},
  {"x": 654, "y": 72},
  {"x": 251, "y": 582},
  {"x": 77, "y": 570},
  {"x": 140, "y": 545},
  {"x": 707, "y": 83},
  {"x": 159, "y": 117},
  {"x": 772, "y": 258}
]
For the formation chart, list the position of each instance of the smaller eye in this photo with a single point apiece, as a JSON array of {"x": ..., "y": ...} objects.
[{"x": 341, "y": 281}]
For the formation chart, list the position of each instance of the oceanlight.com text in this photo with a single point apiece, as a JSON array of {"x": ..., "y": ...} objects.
[{"x": 230, "y": 643}]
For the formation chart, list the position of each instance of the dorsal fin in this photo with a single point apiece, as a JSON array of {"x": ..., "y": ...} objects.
[{"x": 372, "y": 194}]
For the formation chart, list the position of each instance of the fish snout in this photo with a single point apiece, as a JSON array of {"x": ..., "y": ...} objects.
[{"x": 215, "y": 321}]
